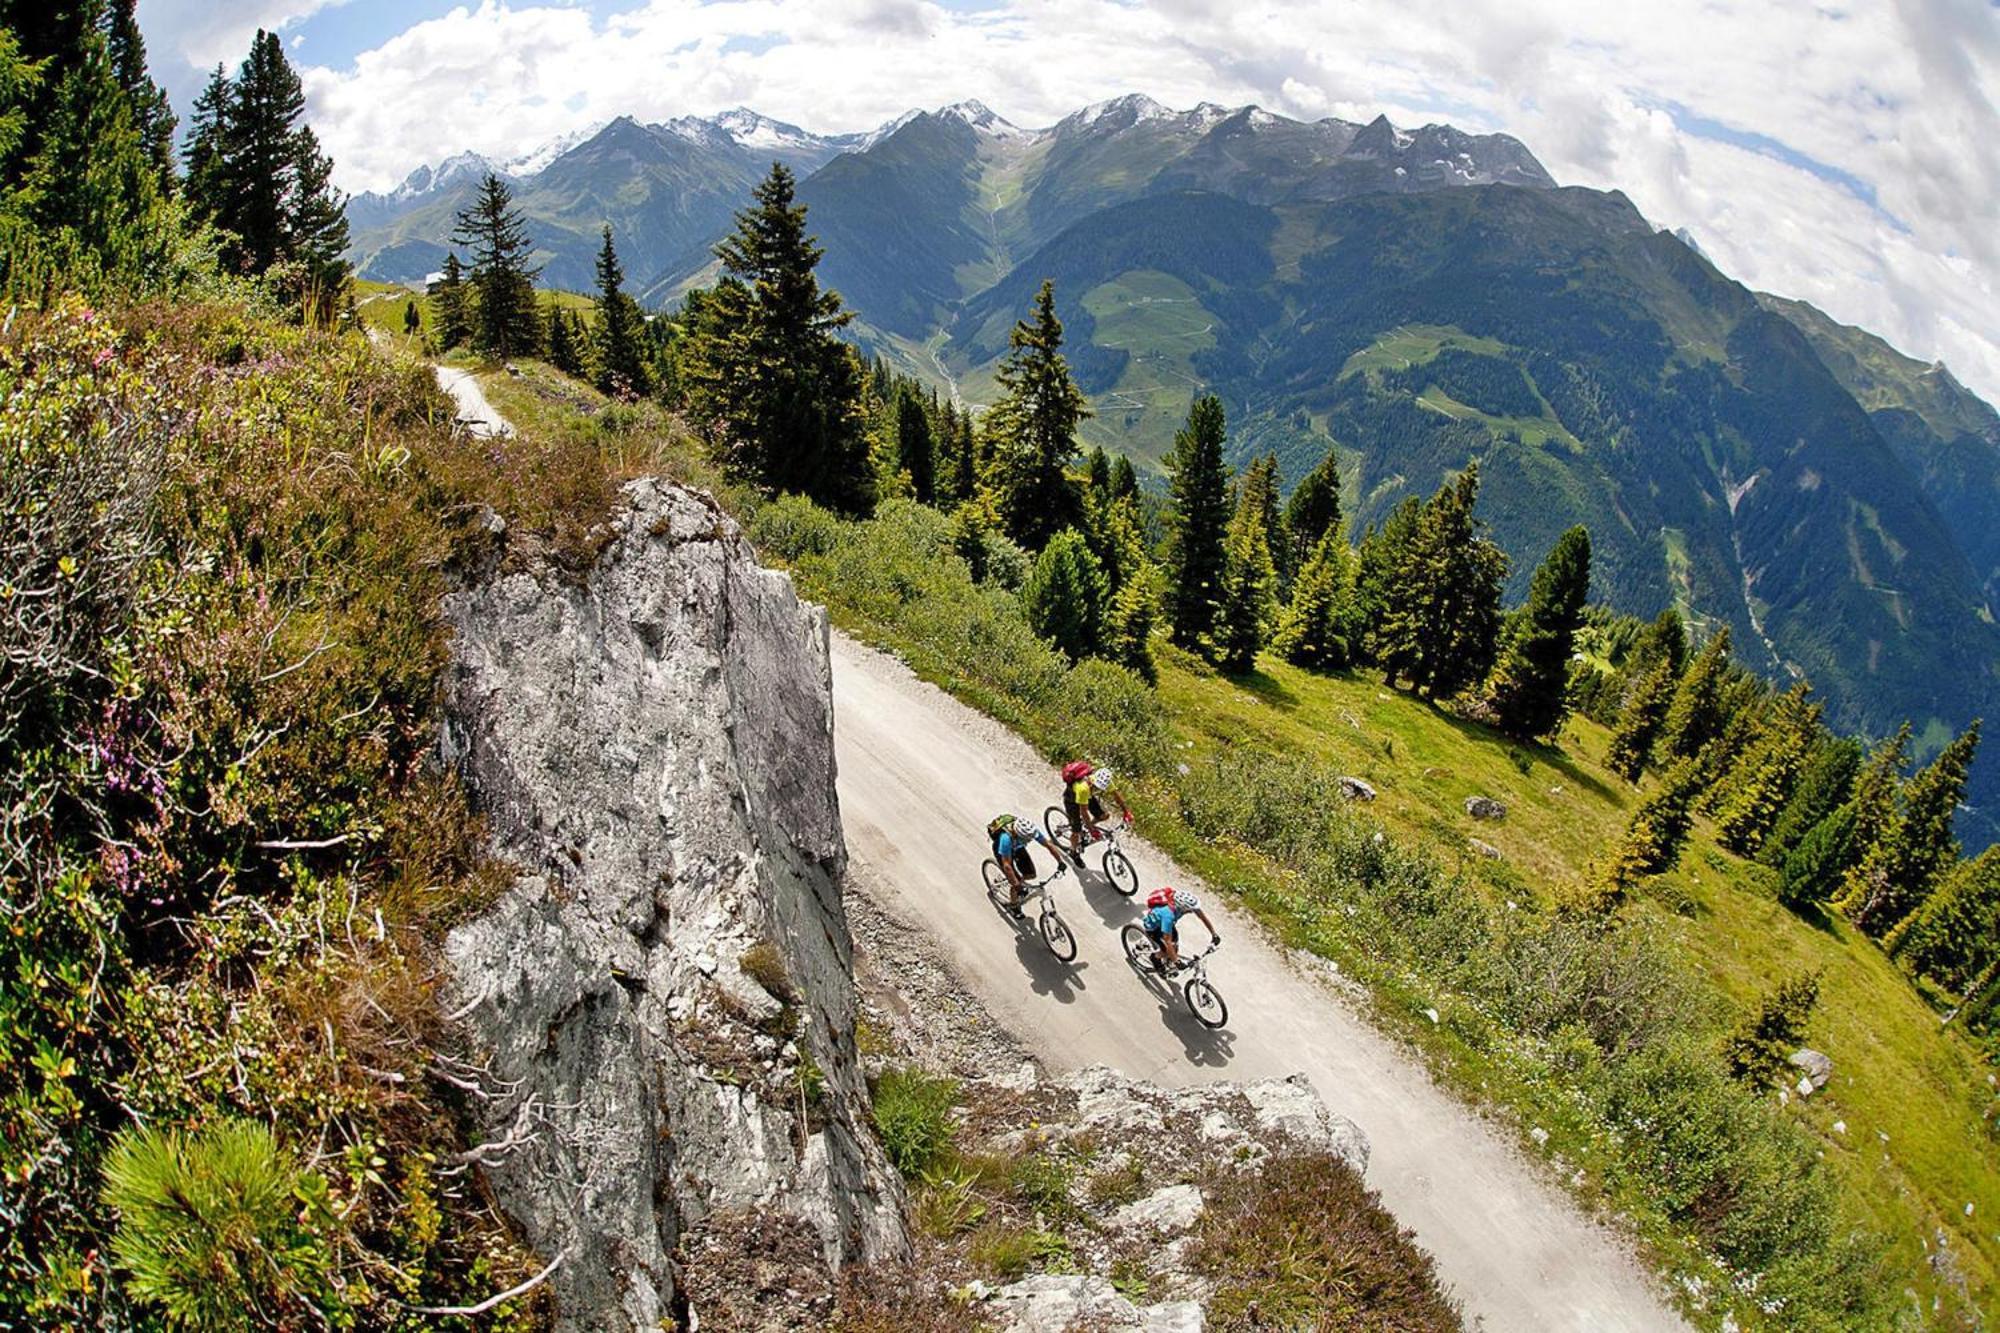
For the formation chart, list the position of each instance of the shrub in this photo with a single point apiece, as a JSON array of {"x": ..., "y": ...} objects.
[
  {"x": 792, "y": 527},
  {"x": 913, "y": 1112},
  {"x": 1757, "y": 1051},
  {"x": 1303, "y": 1243},
  {"x": 1008, "y": 1252},
  {"x": 1065, "y": 595},
  {"x": 219, "y": 1229}
]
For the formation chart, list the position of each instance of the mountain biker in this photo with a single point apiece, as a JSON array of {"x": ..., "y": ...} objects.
[
  {"x": 1084, "y": 787},
  {"x": 1164, "y": 910},
  {"x": 1011, "y": 835}
]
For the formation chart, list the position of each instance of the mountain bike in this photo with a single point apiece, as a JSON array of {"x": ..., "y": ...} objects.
[
  {"x": 1055, "y": 932},
  {"x": 1117, "y": 866},
  {"x": 1203, "y": 1000}
]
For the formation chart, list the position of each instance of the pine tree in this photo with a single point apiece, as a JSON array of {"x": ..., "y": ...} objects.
[
  {"x": 1442, "y": 623},
  {"x": 1695, "y": 717},
  {"x": 964, "y": 460},
  {"x": 1899, "y": 872},
  {"x": 1639, "y": 723},
  {"x": 206, "y": 187},
  {"x": 1128, "y": 634},
  {"x": 1065, "y": 595},
  {"x": 1124, "y": 479},
  {"x": 1313, "y": 630},
  {"x": 505, "y": 322},
  {"x": 1383, "y": 551},
  {"x": 1813, "y": 870},
  {"x": 1663, "y": 639},
  {"x": 621, "y": 359},
  {"x": 565, "y": 347},
  {"x": 916, "y": 454},
  {"x": 1097, "y": 475},
  {"x": 1314, "y": 509},
  {"x": 1759, "y": 787},
  {"x": 317, "y": 228},
  {"x": 412, "y": 321},
  {"x": 452, "y": 305},
  {"x": 1249, "y": 588},
  {"x": 1530, "y": 685},
  {"x": 765, "y": 371},
  {"x": 152, "y": 114},
  {"x": 1259, "y": 487},
  {"x": 1658, "y": 829},
  {"x": 1955, "y": 936},
  {"x": 1033, "y": 429},
  {"x": 1759, "y": 1050},
  {"x": 1198, "y": 522},
  {"x": 1822, "y": 788}
]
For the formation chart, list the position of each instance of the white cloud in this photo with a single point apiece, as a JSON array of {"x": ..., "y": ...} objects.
[
  {"x": 204, "y": 33},
  {"x": 1742, "y": 120}
]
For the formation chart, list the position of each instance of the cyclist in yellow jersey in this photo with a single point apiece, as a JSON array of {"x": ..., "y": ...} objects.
[{"x": 1083, "y": 802}]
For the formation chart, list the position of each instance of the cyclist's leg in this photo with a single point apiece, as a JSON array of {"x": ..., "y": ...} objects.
[{"x": 1075, "y": 823}]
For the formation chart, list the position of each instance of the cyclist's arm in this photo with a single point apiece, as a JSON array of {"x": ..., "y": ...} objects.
[
  {"x": 1213, "y": 933},
  {"x": 1123, "y": 808}
]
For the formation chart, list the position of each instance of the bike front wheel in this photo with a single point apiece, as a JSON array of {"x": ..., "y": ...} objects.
[
  {"x": 1119, "y": 870},
  {"x": 1205, "y": 1003},
  {"x": 996, "y": 883},
  {"x": 1056, "y": 934}
]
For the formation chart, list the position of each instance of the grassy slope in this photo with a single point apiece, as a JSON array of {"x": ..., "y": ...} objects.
[{"x": 1895, "y": 1074}]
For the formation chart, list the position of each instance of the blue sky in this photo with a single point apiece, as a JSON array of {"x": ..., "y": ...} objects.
[{"x": 1847, "y": 155}]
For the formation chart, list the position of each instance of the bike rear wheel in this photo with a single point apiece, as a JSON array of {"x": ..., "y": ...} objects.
[
  {"x": 1119, "y": 870},
  {"x": 1056, "y": 934},
  {"x": 1138, "y": 948},
  {"x": 1205, "y": 1003},
  {"x": 996, "y": 884},
  {"x": 1057, "y": 825}
]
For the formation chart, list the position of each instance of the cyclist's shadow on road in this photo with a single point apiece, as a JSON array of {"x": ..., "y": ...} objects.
[
  {"x": 1047, "y": 974},
  {"x": 1112, "y": 907},
  {"x": 1206, "y": 1047}
]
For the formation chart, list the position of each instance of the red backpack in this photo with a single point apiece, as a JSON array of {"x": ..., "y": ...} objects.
[
  {"x": 1162, "y": 897},
  {"x": 1076, "y": 770}
]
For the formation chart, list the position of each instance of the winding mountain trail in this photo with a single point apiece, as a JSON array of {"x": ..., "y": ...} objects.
[
  {"x": 474, "y": 409},
  {"x": 920, "y": 774}
]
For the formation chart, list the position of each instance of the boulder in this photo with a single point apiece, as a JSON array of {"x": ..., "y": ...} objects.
[
  {"x": 1481, "y": 848},
  {"x": 1059, "y": 1303},
  {"x": 1816, "y": 1067},
  {"x": 1356, "y": 789},
  {"x": 1485, "y": 807},
  {"x": 1164, "y": 1212}
]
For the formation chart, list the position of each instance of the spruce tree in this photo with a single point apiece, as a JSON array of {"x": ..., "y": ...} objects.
[
  {"x": 1663, "y": 639},
  {"x": 964, "y": 460},
  {"x": 1097, "y": 475},
  {"x": 1695, "y": 717},
  {"x": 1658, "y": 829},
  {"x": 1128, "y": 632},
  {"x": 1249, "y": 588},
  {"x": 1198, "y": 522},
  {"x": 506, "y": 322},
  {"x": 206, "y": 186},
  {"x": 1033, "y": 429},
  {"x": 1759, "y": 786},
  {"x": 1639, "y": 722},
  {"x": 765, "y": 371},
  {"x": 152, "y": 114},
  {"x": 1759, "y": 1050},
  {"x": 621, "y": 359},
  {"x": 1822, "y": 788},
  {"x": 916, "y": 453},
  {"x": 1313, "y": 630},
  {"x": 412, "y": 321},
  {"x": 1820, "y": 868},
  {"x": 452, "y": 306},
  {"x": 1124, "y": 479},
  {"x": 1955, "y": 936},
  {"x": 1314, "y": 509},
  {"x": 1259, "y": 487},
  {"x": 565, "y": 349},
  {"x": 1813, "y": 870},
  {"x": 1382, "y": 553},
  {"x": 1442, "y": 621},
  {"x": 1530, "y": 685},
  {"x": 1900, "y": 871},
  {"x": 1065, "y": 595}
]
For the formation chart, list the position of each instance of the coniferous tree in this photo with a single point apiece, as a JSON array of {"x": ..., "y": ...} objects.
[
  {"x": 1313, "y": 632},
  {"x": 1695, "y": 717},
  {"x": 317, "y": 224},
  {"x": 964, "y": 460},
  {"x": 1097, "y": 474},
  {"x": 1128, "y": 632},
  {"x": 1314, "y": 509},
  {"x": 621, "y": 358},
  {"x": 1658, "y": 829},
  {"x": 1812, "y": 870},
  {"x": 1822, "y": 788},
  {"x": 1759, "y": 786},
  {"x": 412, "y": 321},
  {"x": 1663, "y": 639},
  {"x": 452, "y": 304},
  {"x": 1955, "y": 936},
  {"x": 1899, "y": 872},
  {"x": 1442, "y": 622},
  {"x": 765, "y": 371},
  {"x": 1259, "y": 487},
  {"x": 1124, "y": 479},
  {"x": 1065, "y": 595},
  {"x": 1198, "y": 523},
  {"x": 1760, "y": 1049},
  {"x": 1249, "y": 588},
  {"x": 505, "y": 321},
  {"x": 564, "y": 344},
  {"x": 206, "y": 185},
  {"x": 1033, "y": 429},
  {"x": 1530, "y": 685},
  {"x": 1382, "y": 554},
  {"x": 1639, "y": 723},
  {"x": 1819, "y": 868},
  {"x": 152, "y": 114},
  {"x": 916, "y": 453}
]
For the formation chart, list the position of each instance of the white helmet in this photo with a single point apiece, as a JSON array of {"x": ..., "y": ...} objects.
[
  {"x": 1022, "y": 828},
  {"x": 1100, "y": 779}
]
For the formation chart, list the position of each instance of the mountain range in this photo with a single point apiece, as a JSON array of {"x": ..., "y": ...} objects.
[{"x": 1411, "y": 299}]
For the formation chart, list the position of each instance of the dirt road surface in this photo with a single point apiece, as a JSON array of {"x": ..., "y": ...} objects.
[{"x": 920, "y": 774}]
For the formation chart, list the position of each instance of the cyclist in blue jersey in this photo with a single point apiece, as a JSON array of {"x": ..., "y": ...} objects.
[
  {"x": 1011, "y": 835},
  {"x": 1164, "y": 910}
]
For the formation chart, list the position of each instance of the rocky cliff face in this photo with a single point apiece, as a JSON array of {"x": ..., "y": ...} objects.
[{"x": 661, "y": 1012}]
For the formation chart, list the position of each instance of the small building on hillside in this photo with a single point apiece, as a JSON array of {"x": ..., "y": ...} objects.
[{"x": 433, "y": 281}]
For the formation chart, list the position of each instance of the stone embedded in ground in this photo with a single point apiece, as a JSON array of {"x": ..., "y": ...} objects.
[
  {"x": 1164, "y": 1212},
  {"x": 1356, "y": 789},
  {"x": 1485, "y": 849},
  {"x": 1059, "y": 1303},
  {"x": 652, "y": 744},
  {"x": 1485, "y": 807},
  {"x": 1817, "y": 1067}
]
